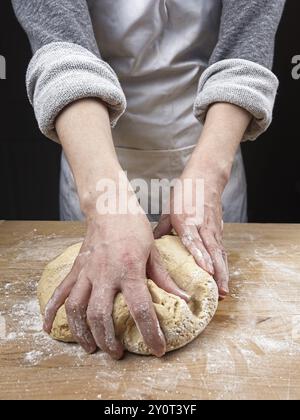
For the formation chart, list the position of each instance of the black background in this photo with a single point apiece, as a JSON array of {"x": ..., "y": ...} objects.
[{"x": 29, "y": 163}]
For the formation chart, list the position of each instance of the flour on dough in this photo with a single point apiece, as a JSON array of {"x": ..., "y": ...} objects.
[{"x": 180, "y": 322}]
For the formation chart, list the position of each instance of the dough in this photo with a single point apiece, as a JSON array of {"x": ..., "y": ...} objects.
[{"x": 180, "y": 322}]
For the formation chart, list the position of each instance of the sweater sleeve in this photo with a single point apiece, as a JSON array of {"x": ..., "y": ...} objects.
[
  {"x": 239, "y": 70},
  {"x": 66, "y": 65}
]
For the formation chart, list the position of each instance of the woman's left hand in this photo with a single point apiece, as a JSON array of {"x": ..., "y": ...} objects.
[
  {"x": 200, "y": 223},
  {"x": 200, "y": 229}
]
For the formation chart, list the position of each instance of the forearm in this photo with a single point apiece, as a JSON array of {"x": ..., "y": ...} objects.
[
  {"x": 214, "y": 154},
  {"x": 85, "y": 134},
  {"x": 239, "y": 70},
  {"x": 66, "y": 65}
]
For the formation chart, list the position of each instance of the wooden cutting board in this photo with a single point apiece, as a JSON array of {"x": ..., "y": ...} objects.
[{"x": 251, "y": 350}]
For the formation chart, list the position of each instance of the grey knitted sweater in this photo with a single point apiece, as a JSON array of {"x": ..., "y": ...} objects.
[{"x": 67, "y": 64}]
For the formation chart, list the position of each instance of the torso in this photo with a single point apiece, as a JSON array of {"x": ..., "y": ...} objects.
[{"x": 158, "y": 49}]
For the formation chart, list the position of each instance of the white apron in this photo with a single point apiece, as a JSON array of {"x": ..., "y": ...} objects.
[{"x": 158, "y": 48}]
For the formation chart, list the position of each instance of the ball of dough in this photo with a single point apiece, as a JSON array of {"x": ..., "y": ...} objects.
[{"x": 180, "y": 322}]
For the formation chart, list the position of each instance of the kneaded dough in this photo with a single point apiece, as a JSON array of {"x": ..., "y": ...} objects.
[{"x": 179, "y": 321}]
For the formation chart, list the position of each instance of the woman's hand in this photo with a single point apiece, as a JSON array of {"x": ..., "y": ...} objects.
[
  {"x": 211, "y": 162},
  {"x": 201, "y": 235},
  {"x": 112, "y": 259},
  {"x": 118, "y": 251}
]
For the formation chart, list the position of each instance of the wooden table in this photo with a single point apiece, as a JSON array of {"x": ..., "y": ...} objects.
[{"x": 251, "y": 350}]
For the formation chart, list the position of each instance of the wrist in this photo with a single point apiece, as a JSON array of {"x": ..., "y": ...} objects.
[
  {"x": 90, "y": 187},
  {"x": 109, "y": 194},
  {"x": 215, "y": 173},
  {"x": 214, "y": 154}
]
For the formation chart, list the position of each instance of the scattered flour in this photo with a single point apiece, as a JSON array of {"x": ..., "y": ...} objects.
[
  {"x": 281, "y": 267},
  {"x": 33, "y": 357},
  {"x": 25, "y": 324},
  {"x": 52, "y": 247},
  {"x": 26, "y": 317},
  {"x": 11, "y": 336},
  {"x": 269, "y": 345}
]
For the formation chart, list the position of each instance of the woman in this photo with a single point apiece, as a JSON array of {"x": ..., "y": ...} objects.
[{"x": 172, "y": 61}]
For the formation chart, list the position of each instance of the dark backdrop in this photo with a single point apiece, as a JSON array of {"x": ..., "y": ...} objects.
[{"x": 29, "y": 163}]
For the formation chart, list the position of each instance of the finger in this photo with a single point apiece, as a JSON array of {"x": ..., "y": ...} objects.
[
  {"x": 101, "y": 323},
  {"x": 62, "y": 292},
  {"x": 140, "y": 305},
  {"x": 191, "y": 239},
  {"x": 158, "y": 273},
  {"x": 219, "y": 258},
  {"x": 76, "y": 307},
  {"x": 225, "y": 258},
  {"x": 57, "y": 300},
  {"x": 163, "y": 227}
]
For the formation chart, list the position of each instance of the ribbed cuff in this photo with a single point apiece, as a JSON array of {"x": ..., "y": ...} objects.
[
  {"x": 242, "y": 83},
  {"x": 61, "y": 73}
]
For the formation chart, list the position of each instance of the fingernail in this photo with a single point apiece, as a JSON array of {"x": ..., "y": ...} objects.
[
  {"x": 159, "y": 350},
  {"x": 46, "y": 328},
  {"x": 90, "y": 349},
  {"x": 161, "y": 347},
  {"x": 211, "y": 268},
  {"x": 205, "y": 262},
  {"x": 117, "y": 351},
  {"x": 207, "y": 265},
  {"x": 159, "y": 353},
  {"x": 224, "y": 292},
  {"x": 186, "y": 296},
  {"x": 117, "y": 356},
  {"x": 225, "y": 289}
]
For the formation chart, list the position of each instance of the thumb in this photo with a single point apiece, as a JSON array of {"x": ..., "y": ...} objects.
[
  {"x": 163, "y": 227},
  {"x": 159, "y": 275}
]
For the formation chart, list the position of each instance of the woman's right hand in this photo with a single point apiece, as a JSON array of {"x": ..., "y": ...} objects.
[
  {"x": 112, "y": 259},
  {"x": 118, "y": 251}
]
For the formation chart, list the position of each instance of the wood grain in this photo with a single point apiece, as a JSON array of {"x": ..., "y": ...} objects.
[{"x": 251, "y": 350}]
